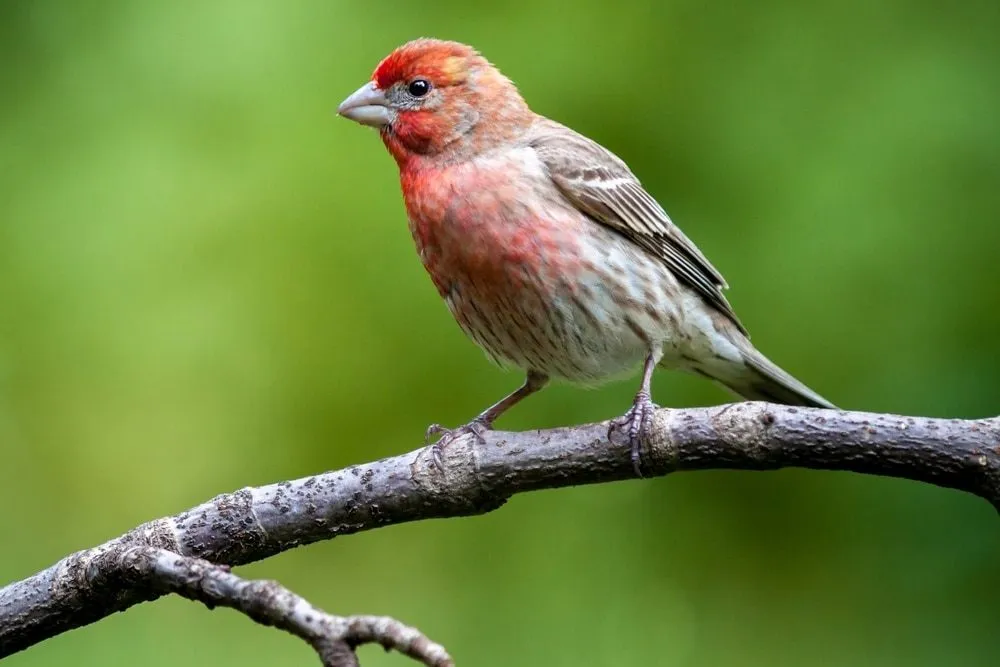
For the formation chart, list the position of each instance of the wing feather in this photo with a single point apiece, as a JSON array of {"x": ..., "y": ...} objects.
[{"x": 601, "y": 185}]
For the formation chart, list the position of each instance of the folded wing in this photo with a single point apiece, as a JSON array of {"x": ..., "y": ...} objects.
[{"x": 601, "y": 185}]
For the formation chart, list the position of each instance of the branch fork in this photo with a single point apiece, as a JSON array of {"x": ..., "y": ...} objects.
[{"x": 190, "y": 554}]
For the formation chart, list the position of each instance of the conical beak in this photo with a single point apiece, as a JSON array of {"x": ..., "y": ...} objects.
[{"x": 368, "y": 106}]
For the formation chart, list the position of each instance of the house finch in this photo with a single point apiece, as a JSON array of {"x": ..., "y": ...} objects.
[{"x": 548, "y": 251}]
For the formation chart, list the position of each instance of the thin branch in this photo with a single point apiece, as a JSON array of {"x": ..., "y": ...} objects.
[
  {"x": 270, "y": 603},
  {"x": 477, "y": 477}
]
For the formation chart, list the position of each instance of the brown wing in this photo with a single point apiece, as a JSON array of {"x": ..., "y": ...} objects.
[{"x": 601, "y": 185}]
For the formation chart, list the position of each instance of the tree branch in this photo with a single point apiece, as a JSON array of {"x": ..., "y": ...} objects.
[
  {"x": 477, "y": 477},
  {"x": 270, "y": 603}
]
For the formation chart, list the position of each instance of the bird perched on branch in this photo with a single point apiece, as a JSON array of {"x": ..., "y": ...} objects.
[{"x": 547, "y": 250}]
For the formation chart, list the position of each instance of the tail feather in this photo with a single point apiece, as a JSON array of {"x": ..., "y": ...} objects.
[{"x": 763, "y": 380}]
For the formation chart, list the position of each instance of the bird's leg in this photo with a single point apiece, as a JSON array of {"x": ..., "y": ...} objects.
[
  {"x": 484, "y": 421},
  {"x": 639, "y": 417}
]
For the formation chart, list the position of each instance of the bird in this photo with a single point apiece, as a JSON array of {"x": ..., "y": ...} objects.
[{"x": 546, "y": 248}]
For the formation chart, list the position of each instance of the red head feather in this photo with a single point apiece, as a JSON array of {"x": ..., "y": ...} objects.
[
  {"x": 444, "y": 63},
  {"x": 474, "y": 107}
]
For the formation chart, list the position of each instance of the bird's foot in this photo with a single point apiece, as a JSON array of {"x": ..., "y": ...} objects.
[
  {"x": 477, "y": 427},
  {"x": 636, "y": 423}
]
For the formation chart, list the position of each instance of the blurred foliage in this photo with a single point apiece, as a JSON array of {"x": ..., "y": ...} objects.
[{"x": 207, "y": 282}]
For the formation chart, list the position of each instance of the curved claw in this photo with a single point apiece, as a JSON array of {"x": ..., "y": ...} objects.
[
  {"x": 476, "y": 427},
  {"x": 636, "y": 422},
  {"x": 433, "y": 430}
]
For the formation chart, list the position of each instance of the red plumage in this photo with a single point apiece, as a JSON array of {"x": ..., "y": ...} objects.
[
  {"x": 547, "y": 250},
  {"x": 423, "y": 57}
]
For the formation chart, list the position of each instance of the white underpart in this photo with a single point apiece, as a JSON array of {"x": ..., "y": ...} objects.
[{"x": 675, "y": 320}]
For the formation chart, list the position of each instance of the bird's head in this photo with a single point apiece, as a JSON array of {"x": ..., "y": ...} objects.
[{"x": 436, "y": 98}]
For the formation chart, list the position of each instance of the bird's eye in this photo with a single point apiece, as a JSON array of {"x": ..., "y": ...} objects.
[{"x": 419, "y": 87}]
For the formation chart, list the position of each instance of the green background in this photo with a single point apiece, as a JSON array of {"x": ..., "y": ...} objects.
[{"x": 206, "y": 282}]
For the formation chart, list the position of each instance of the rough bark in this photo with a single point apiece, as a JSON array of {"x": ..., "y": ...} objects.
[{"x": 477, "y": 476}]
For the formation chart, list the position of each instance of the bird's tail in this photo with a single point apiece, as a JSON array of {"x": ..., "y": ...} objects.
[{"x": 762, "y": 380}]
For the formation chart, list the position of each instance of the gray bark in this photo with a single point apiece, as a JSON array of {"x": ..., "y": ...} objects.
[{"x": 478, "y": 476}]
